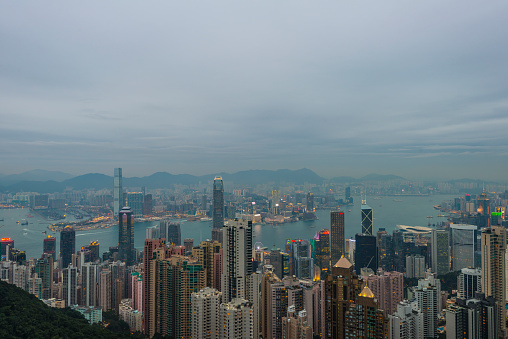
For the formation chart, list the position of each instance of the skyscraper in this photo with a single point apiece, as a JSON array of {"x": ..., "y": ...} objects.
[
  {"x": 469, "y": 283},
  {"x": 337, "y": 235},
  {"x": 44, "y": 269},
  {"x": 237, "y": 262},
  {"x": 366, "y": 252},
  {"x": 236, "y": 319},
  {"x": 366, "y": 213},
  {"x": 440, "y": 257},
  {"x": 322, "y": 252},
  {"x": 483, "y": 210},
  {"x": 218, "y": 203},
  {"x": 171, "y": 232},
  {"x": 406, "y": 322},
  {"x": 135, "y": 202},
  {"x": 49, "y": 246},
  {"x": 4, "y": 242},
  {"x": 67, "y": 245},
  {"x": 493, "y": 244},
  {"x": 464, "y": 244},
  {"x": 427, "y": 296},
  {"x": 117, "y": 192},
  {"x": 205, "y": 313},
  {"x": 126, "y": 236}
]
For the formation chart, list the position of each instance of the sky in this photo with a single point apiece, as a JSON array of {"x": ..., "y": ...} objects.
[{"x": 417, "y": 89}]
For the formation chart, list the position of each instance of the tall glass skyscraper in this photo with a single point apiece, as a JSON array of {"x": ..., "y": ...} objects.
[
  {"x": 337, "y": 235},
  {"x": 366, "y": 218},
  {"x": 117, "y": 192},
  {"x": 366, "y": 252},
  {"x": 126, "y": 236},
  {"x": 67, "y": 245},
  {"x": 218, "y": 203}
]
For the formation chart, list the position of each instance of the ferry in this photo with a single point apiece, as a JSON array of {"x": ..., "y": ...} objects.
[{"x": 24, "y": 222}]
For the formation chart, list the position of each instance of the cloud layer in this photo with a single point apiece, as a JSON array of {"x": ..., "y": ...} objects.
[{"x": 415, "y": 89}]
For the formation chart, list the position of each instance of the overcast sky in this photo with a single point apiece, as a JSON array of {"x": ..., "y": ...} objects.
[{"x": 418, "y": 89}]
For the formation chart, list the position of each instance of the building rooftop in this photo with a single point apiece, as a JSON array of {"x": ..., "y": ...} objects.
[{"x": 343, "y": 263}]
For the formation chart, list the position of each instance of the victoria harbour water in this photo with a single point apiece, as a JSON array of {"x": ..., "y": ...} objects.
[{"x": 388, "y": 211}]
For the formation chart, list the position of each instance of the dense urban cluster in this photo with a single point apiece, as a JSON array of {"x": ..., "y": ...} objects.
[{"x": 374, "y": 285}]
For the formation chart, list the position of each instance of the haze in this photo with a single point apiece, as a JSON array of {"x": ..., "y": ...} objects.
[{"x": 340, "y": 87}]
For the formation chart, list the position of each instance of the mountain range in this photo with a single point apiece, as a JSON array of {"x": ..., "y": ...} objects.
[{"x": 51, "y": 181}]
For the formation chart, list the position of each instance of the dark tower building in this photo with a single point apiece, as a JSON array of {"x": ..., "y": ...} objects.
[
  {"x": 4, "y": 242},
  {"x": 49, "y": 246},
  {"x": 310, "y": 202},
  {"x": 94, "y": 249},
  {"x": 337, "y": 235},
  {"x": 171, "y": 232},
  {"x": 322, "y": 251},
  {"x": 67, "y": 245},
  {"x": 126, "y": 236},
  {"x": 366, "y": 218},
  {"x": 218, "y": 203},
  {"x": 483, "y": 210},
  {"x": 348, "y": 197},
  {"x": 366, "y": 252}
]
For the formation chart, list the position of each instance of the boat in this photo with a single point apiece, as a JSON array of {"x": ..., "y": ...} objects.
[
  {"x": 205, "y": 219},
  {"x": 442, "y": 216},
  {"x": 44, "y": 232},
  {"x": 397, "y": 200},
  {"x": 429, "y": 217},
  {"x": 24, "y": 222},
  {"x": 25, "y": 233}
]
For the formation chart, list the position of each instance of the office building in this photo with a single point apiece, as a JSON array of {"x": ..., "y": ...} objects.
[
  {"x": 388, "y": 289},
  {"x": 171, "y": 232},
  {"x": 366, "y": 214},
  {"x": 236, "y": 319},
  {"x": 493, "y": 245},
  {"x": 415, "y": 266},
  {"x": 365, "y": 252},
  {"x": 118, "y": 201},
  {"x": 237, "y": 258},
  {"x": 135, "y": 202},
  {"x": 4, "y": 242},
  {"x": 94, "y": 249},
  {"x": 440, "y": 256},
  {"x": 464, "y": 245},
  {"x": 469, "y": 283},
  {"x": 483, "y": 210},
  {"x": 337, "y": 242},
  {"x": 310, "y": 202},
  {"x": 205, "y": 313},
  {"x": 126, "y": 236},
  {"x": 295, "y": 325},
  {"x": 406, "y": 322},
  {"x": 218, "y": 203},
  {"x": 384, "y": 250},
  {"x": 321, "y": 253},
  {"x": 67, "y": 245},
  {"x": 49, "y": 246}
]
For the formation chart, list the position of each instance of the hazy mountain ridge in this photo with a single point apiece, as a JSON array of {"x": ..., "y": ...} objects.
[{"x": 34, "y": 175}]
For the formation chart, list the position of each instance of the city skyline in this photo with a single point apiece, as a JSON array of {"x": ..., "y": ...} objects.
[{"x": 416, "y": 90}]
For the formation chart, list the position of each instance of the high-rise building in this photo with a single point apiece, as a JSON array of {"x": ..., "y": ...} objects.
[
  {"x": 126, "y": 236},
  {"x": 118, "y": 201},
  {"x": 205, "y": 313},
  {"x": 366, "y": 213},
  {"x": 388, "y": 289},
  {"x": 300, "y": 260},
  {"x": 469, "y": 283},
  {"x": 4, "y": 242},
  {"x": 67, "y": 245},
  {"x": 473, "y": 318},
  {"x": 337, "y": 242},
  {"x": 171, "y": 232},
  {"x": 189, "y": 244},
  {"x": 70, "y": 285},
  {"x": 237, "y": 260},
  {"x": 464, "y": 244},
  {"x": 94, "y": 249},
  {"x": 483, "y": 210},
  {"x": 406, "y": 322},
  {"x": 49, "y": 246},
  {"x": 295, "y": 325},
  {"x": 236, "y": 319},
  {"x": 218, "y": 203},
  {"x": 427, "y": 297},
  {"x": 384, "y": 249},
  {"x": 44, "y": 270},
  {"x": 321, "y": 253},
  {"x": 280, "y": 262},
  {"x": 205, "y": 252},
  {"x": 366, "y": 252},
  {"x": 149, "y": 284},
  {"x": 310, "y": 202},
  {"x": 254, "y": 296},
  {"x": 440, "y": 258},
  {"x": 273, "y": 304},
  {"x": 89, "y": 281},
  {"x": 135, "y": 202},
  {"x": 493, "y": 244},
  {"x": 415, "y": 266}
]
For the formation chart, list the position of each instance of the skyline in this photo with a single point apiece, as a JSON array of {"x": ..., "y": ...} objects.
[{"x": 344, "y": 89}]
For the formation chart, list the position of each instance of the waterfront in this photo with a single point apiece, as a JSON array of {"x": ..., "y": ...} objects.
[{"x": 412, "y": 210}]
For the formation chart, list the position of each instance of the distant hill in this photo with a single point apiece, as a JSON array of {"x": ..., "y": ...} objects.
[
  {"x": 368, "y": 177},
  {"x": 35, "y": 175},
  {"x": 166, "y": 180},
  {"x": 22, "y": 315}
]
